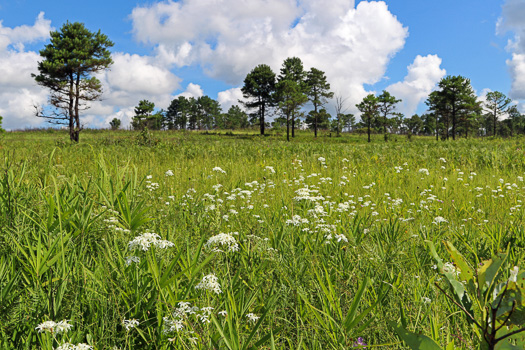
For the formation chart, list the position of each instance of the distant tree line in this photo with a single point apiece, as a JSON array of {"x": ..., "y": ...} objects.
[
  {"x": 75, "y": 55},
  {"x": 297, "y": 98}
]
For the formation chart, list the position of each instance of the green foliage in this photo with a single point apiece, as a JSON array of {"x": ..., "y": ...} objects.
[
  {"x": 455, "y": 100},
  {"x": 492, "y": 302},
  {"x": 321, "y": 120},
  {"x": 146, "y": 138},
  {"x": 258, "y": 90},
  {"x": 144, "y": 117},
  {"x": 495, "y": 106},
  {"x": 318, "y": 91},
  {"x": 387, "y": 105},
  {"x": 115, "y": 124},
  {"x": 69, "y": 213},
  {"x": 291, "y": 92},
  {"x": 235, "y": 118},
  {"x": 69, "y": 63},
  {"x": 369, "y": 109}
]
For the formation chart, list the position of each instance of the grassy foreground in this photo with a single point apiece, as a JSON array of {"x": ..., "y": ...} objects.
[{"x": 190, "y": 241}]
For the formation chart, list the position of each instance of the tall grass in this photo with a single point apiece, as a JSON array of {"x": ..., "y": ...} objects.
[{"x": 330, "y": 232}]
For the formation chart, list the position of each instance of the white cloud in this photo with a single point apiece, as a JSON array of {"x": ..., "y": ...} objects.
[
  {"x": 230, "y": 98},
  {"x": 513, "y": 19},
  {"x": 129, "y": 80},
  {"x": 192, "y": 90},
  {"x": 18, "y": 90},
  {"x": 25, "y": 34},
  {"x": 423, "y": 75},
  {"x": 138, "y": 74},
  {"x": 125, "y": 115},
  {"x": 517, "y": 71},
  {"x": 353, "y": 45}
]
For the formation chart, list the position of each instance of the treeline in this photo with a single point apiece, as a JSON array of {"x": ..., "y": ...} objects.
[{"x": 297, "y": 98}]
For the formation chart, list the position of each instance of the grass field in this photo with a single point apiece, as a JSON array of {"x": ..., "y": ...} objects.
[{"x": 178, "y": 240}]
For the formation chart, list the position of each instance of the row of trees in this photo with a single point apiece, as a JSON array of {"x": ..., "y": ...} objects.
[
  {"x": 453, "y": 110},
  {"x": 288, "y": 92},
  {"x": 203, "y": 113},
  {"x": 74, "y": 56}
]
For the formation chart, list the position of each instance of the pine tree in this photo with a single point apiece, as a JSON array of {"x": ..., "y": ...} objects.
[{"x": 69, "y": 63}]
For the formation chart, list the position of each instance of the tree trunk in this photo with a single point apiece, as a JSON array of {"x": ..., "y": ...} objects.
[
  {"x": 293, "y": 125},
  {"x": 495, "y": 119},
  {"x": 315, "y": 118},
  {"x": 77, "y": 116},
  {"x": 70, "y": 110},
  {"x": 454, "y": 123},
  {"x": 369, "y": 122},
  {"x": 261, "y": 119},
  {"x": 384, "y": 125},
  {"x": 287, "y": 128}
]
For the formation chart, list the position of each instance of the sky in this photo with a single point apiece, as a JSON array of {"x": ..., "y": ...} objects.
[{"x": 164, "y": 49}]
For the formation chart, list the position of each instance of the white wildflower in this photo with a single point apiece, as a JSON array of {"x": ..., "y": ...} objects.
[
  {"x": 132, "y": 259},
  {"x": 169, "y": 173},
  {"x": 69, "y": 346},
  {"x": 438, "y": 220},
  {"x": 130, "y": 324},
  {"x": 219, "y": 170},
  {"x": 223, "y": 313},
  {"x": 148, "y": 239},
  {"x": 252, "y": 317},
  {"x": 341, "y": 237},
  {"x": 211, "y": 283},
  {"x": 54, "y": 327},
  {"x": 223, "y": 239},
  {"x": 514, "y": 274},
  {"x": 270, "y": 169}
]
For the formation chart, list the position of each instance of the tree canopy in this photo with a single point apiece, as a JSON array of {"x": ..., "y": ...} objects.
[
  {"x": 258, "y": 89},
  {"x": 454, "y": 98},
  {"x": 495, "y": 107},
  {"x": 69, "y": 62},
  {"x": 318, "y": 91}
]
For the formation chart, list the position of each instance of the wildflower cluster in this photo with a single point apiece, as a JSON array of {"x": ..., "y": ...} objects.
[
  {"x": 69, "y": 346},
  {"x": 151, "y": 186},
  {"x": 148, "y": 239},
  {"x": 54, "y": 327},
  {"x": 225, "y": 240},
  {"x": 210, "y": 283}
]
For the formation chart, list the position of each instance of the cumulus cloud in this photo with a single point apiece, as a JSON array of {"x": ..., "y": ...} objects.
[
  {"x": 353, "y": 45},
  {"x": 25, "y": 34},
  {"x": 138, "y": 74},
  {"x": 131, "y": 78},
  {"x": 423, "y": 75},
  {"x": 517, "y": 71},
  {"x": 513, "y": 19},
  {"x": 18, "y": 91},
  {"x": 230, "y": 98},
  {"x": 192, "y": 90}
]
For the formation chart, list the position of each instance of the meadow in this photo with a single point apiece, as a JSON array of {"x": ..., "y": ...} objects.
[{"x": 178, "y": 240}]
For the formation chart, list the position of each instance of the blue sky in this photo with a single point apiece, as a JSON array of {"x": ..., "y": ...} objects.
[{"x": 161, "y": 48}]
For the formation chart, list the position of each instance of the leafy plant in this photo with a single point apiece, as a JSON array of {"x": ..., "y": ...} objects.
[{"x": 492, "y": 302}]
